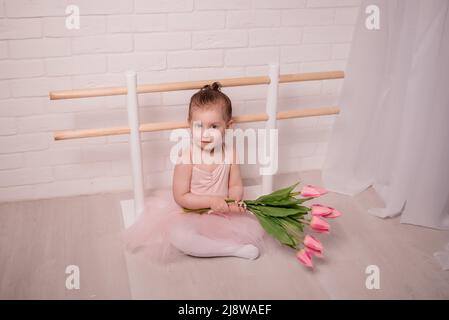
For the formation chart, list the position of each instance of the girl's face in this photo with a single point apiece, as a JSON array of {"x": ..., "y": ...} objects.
[{"x": 208, "y": 127}]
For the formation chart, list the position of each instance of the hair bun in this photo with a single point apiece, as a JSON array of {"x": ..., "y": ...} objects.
[{"x": 214, "y": 86}]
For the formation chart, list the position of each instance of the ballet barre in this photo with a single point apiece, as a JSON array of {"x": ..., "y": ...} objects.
[
  {"x": 192, "y": 85},
  {"x": 161, "y": 126},
  {"x": 132, "y": 208}
]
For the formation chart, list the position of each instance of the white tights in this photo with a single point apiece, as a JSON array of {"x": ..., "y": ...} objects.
[{"x": 189, "y": 241}]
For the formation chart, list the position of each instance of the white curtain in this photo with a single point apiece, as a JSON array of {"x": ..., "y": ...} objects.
[{"x": 393, "y": 129}]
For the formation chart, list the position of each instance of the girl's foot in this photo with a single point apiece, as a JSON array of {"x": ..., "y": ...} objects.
[{"x": 247, "y": 251}]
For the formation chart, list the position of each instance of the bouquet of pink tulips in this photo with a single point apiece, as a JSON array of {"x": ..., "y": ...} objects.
[{"x": 284, "y": 217}]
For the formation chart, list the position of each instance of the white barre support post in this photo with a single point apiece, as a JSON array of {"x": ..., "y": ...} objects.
[
  {"x": 271, "y": 110},
  {"x": 134, "y": 142}
]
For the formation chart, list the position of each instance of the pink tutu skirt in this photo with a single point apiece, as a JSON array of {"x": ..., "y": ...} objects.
[{"x": 151, "y": 233}]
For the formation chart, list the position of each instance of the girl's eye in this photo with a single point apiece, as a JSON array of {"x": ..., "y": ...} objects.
[{"x": 214, "y": 126}]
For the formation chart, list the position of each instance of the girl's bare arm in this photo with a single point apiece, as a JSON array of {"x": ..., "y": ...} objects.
[
  {"x": 181, "y": 189},
  {"x": 235, "y": 184},
  {"x": 235, "y": 180}
]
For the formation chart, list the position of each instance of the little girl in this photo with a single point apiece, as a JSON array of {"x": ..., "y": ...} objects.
[{"x": 164, "y": 230}]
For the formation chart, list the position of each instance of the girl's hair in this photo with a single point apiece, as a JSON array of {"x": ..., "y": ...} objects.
[{"x": 208, "y": 95}]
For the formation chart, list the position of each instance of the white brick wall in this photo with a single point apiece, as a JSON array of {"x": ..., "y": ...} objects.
[{"x": 163, "y": 41}]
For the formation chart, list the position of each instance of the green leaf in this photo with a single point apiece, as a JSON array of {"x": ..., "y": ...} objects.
[
  {"x": 303, "y": 209},
  {"x": 302, "y": 200},
  {"x": 277, "y": 195},
  {"x": 276, "y": 230},
  {"x": 293, "y": 223},
  {"x": 292, "y": 226},
  {"x": 291, "y": 205},
  {"x": 289, "y": 202},
  {"x": 277, "y": 211}
]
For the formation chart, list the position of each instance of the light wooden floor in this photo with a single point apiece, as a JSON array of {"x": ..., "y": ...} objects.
[{"x": 38, "y": 239}]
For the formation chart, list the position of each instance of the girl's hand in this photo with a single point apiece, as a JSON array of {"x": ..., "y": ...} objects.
[
  {"x": 218, "y": 204},
  {"x": 234, "y": 207}
]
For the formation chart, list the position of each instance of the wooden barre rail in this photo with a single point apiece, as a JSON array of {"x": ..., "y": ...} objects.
[
  {"x": 160, "y": 126},
  {"x": 190, "y": 85}
]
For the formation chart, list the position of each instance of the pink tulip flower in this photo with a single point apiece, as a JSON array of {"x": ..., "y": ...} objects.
[
  {"x": 305, "y": 258},
  {"x": 313, "y": 246},
  {"x": 319, "y": 225},
  {"x": 325, "y": 211},
  {"x": 313, "y": 252},
  {"x": 312, "y": 191},
  {"x": 313, "y": 243}
]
